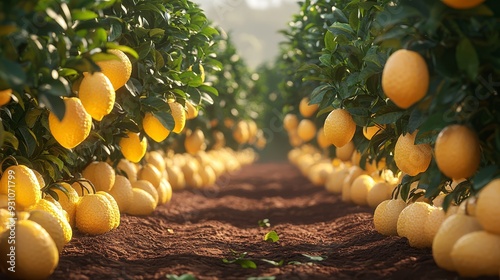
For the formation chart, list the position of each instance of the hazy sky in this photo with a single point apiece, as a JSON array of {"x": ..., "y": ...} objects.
[{"x": 253, "y": 24}]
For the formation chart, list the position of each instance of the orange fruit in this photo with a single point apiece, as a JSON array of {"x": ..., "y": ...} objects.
[
  {"x": 462, "y": 4},
  {"x": 410, "y": 158},
  {"x": 307, "y": 110},
  {"x": 306, "y": 130},
  {"x": 339, "y": 127}
]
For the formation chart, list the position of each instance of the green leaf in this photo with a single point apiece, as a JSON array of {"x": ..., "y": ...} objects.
[
  {"x": 11, "y": 139},
  {"x": 246, "y": 263},
  {"x": 388, "y": 118},
  {"x": 180, "y": 277},
  {"x": 467, "y": 59},
  {"x": 344, "y": 29},
  {"x": 208, "y": 89},
  {"x": 264, "y": 223},
  {"x": 330, "y": 43},
  {"x": 156, "y": 32},
  {"x": 314, "y": 258},
  {"x": 11, "y": 72},
  {"x": 484, "y": 176},
  {"x": 165, "y": 119},
  {"x": 29, "y": 139},
  {"x": 280, "y": 263},
  {"x": 83, "y": 15},
  {"x": 271, "y": 236}
]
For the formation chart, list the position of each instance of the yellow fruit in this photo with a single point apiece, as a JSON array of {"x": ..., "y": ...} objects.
[
  {"x": 477, "y": 254},
  {"x": 21, "y": 186},
  {"x": 410, "y": 158},
  {"x": 354, "y": 172},
  {"x": 335, "y": 180},
  {"x": 220, "y": 140},
  {"x": 370, "y": 131},
  {"x": 122, "y": 192},
  {"x": 434, "y": 220},
  {"x": 115, "y": 210},
  {"x": 154, "y": 128},
  {"x": 380, "y": 191},
  {"x": 462, "y": 4},
  {"x": 345, "y": 152},
  {"x": 117, "y": 70},
  {"x": 97, "y": 95},
  {"x": 5, "y": 219},
  {"x": 54, "y": 210},
  {"x": 487, "y": 210},
  {"x": 194, "y": 181},
  {"x": 125, "y": 167},
  {"x": 411, "y": 223},
  {"x": 142, "y": 203},
  {"x": 101, "y": 174},
  {"x": 191, "y": 111},
  {"x": 386, "y": 216},
  {"x": 306, "y": 130},
  {"x": 321, "y": 138},
  {"x": 305, "y": 109},
  {"x": 241, "y": 132},
  {"x": 360, "y": 188},
  {"x": 51, "y": 225},
  {"x": 5, "y": 96},
  {"x": 457, "y": 151},
  {"x": 149, "y": 173},
  {"x": 148, "y": 187},
  {"x": 94, "y": 214},
  {"x": 36, "y": 254},
  {"x": 156, "y": 159},
  {"x": 295, "y": 140},
  {"x": 290, "y": 122},
  {"x": 207, "y": 175},
  {"x": 74, "y": 126},
  {"x": 39, "y": 178},
  {"x": 179, "y": 115},
  {"x": 68, "y": 201},
  {"x": 452, "y": 229},
  {"x": 405, "y": 78},
  {"x": 339, "y": 127},
  {"x": 195, "y": 141},
  {"x": 252, "y": 131},
  {"x": 164, "y": 192},
  {"x": 133, "y": 147},
  {"x": 176, "y": 177}
]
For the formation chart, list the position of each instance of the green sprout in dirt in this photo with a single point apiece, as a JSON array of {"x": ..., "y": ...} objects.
[
  {"x": 180, "y": 277},
  {"x": 240, "y": 258},
  {"x": 264, "y": 223},
  {"x": 271, "y": 236}
]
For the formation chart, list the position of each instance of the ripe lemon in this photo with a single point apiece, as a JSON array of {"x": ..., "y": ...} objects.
[
  {"x": 127, "y": 168},
  {"x": 154, "y": 128},
  {"x": 117, "y": 70},
  {"x": 156, "y": 159},
  {"x": 5, "y": 96},
  {"x": 457, "y": 151},
  {"x": 179, "y": 115},
  {"x": 176, "y": 177},
  {"x": 477, "y": 254},
  {"x": 454, "y": 227},
  {"x": 101, "y": 174},
  {"x": 335, "y": 180},
  {"x": 380, "y": 191},
  {"x": 74, "y": 126},
  {"x": 487, "y": 210},
  {"x": 115, "y": 210},
  {"x": 142, "y": 203},
  {"x": 370, "y": 131},
  {"x": 94, "y": 214},
  {"x": 68, "y": 201},
  {"x": 386, "y": 216},
  {"x": 164, "y": 192},
  {"x": 306, "y": 130},
  {"x": 339, "y": 127},
  {"x": 290, "y": 122},
  {"x": 54, "y": 210},
  {"x": 305, "y": 109},
  {"x": 148, "y": 187},
  {"x": 410, "y": 158},
  {"x": 345, "y": 153},
  {"x": 191, "y": 111},
  {"x": 462, "y": 4},
  {"x": 241, "y": 132},
  {"x": 321, "y": 138},
  {"x": 20, "y": 185},
  {"x": 122, "y": 192},
  {"x": 39, "y": 178},
  {"x": 150, "y": 173},
  {"x": 354, "y": 172},
  {"x": 360, "y": 188},
  {"x": 405, "y": 78},
  {"x": 36, "y": 254},
  {"x": 411, "y": 223},
  {"x": 219, "y": 139},
  {"x": 434, "y": 220},
  {"x": 51, "y": 225},
  {"x": 252, "y": 131},
  {"x": 133, "y": 147},
  {"x": 195, "y": 141},
  {"x": 97, "y": 95}
]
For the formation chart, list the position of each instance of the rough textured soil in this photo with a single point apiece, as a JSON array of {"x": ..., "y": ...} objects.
[{"x": 199, "y": 228}]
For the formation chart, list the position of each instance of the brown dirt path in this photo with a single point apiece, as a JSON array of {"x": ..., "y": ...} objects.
[{"x": 199, "y": 228}]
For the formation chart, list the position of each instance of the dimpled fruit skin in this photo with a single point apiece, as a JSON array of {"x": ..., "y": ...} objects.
[
  {"x": 133, "y": 147},
  {"x": 306, "y": 130},
  {"x": 51, "y": 225},
  {"x": 94, "y": 215},
  {"x": 405, "y": 78},
  {"x": 142, "y": 203},
  {"x": 487, "y": 210},
  {"x": 97, "y": 95},
  {"x": 154, "y": 128},
  {"x": 339, "y": 127},
  {"x": 410, "y": 158},
  {"x": 457, "y": 151},
  {"x": 101, "y": 174},
  {"x": 122, "y": 192},
  {"x": 23, "y": 181},
  {"x": 454, "y": 227},
  {"x": 36, "y": 252},
  {"x": 411, "y": 223},
  {"x": 75, "y": 125},
  {"x": 179, "y": 115},
  {"x": 117, "y": 71},
  {"x": 386, "y": 216},
  {"x": 477, "y": 254}
]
